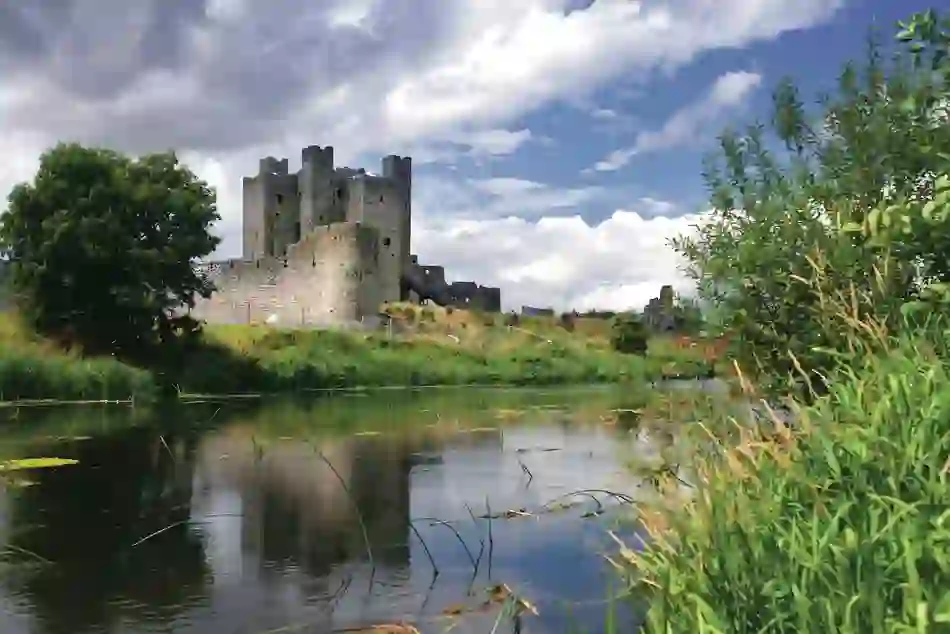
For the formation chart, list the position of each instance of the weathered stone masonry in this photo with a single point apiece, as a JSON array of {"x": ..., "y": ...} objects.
[{"x": 328, "y": 246}]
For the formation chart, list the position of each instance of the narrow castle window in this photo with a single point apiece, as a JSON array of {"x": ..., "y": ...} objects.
[
  {"x": 380, "y": 199},
  {"x": 280, "y": 199},
  {"x": 386, "y": 242}
]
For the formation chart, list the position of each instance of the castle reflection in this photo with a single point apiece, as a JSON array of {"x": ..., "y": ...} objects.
[{"x": 294, "y": 513}]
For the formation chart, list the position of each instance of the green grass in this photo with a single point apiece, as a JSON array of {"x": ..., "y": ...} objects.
[
  {"x": 840, "y": 526},
  {"x": 434, "y": 347}
]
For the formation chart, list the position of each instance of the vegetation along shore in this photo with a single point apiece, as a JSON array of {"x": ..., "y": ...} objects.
[
  {"x": 425, "y": 346},
  {"x": 828, "y": 262}
]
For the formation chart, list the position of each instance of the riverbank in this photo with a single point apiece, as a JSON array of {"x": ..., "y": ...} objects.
[{"x": 434, "y": 347}]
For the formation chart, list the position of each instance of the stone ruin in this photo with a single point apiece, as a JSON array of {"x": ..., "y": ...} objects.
[{"x": 659, "y": 314}]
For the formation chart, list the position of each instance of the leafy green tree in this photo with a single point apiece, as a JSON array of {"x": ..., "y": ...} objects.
[
  {"x": 103, "y": 247},
  {"x": 687, "y": 315},
  {"x": 831, "y": 218},
  {"x": 629, "y": 334}
]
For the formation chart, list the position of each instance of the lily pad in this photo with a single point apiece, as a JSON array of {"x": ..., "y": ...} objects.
[{"x": 35, "y": 463}]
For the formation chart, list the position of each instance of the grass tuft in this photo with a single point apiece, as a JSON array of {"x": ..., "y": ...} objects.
[{"x": 840, "y": 524}]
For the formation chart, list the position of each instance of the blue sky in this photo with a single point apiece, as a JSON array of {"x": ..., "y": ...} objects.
[
  {"x": 581, "y": 134},
  {"x": 557, "y": 144}
]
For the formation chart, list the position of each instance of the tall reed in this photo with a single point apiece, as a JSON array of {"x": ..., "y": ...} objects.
[{"x": 837, "y": 523}]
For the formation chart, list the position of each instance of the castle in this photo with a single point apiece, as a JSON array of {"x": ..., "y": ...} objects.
[{"x": 328, "y": 246}]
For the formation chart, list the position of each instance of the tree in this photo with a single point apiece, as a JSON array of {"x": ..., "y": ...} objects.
[
  {"x": 103, "y": 247},
  {"x": 629, "y": 334},
  {"x": 840, "y": 223},
  {"x": 687, "y": 315}
]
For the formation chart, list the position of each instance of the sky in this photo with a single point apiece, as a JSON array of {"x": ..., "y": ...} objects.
[{"x": 557, "y": 144}]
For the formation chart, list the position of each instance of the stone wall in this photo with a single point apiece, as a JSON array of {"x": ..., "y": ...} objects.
[{"x": 326, "y": 279}]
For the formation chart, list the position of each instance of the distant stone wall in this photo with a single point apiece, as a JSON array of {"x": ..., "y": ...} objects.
[
  {"x": 326, "y": 279},
  {"x": 467, "y": 295},
  {"x": 534, "y": 311}
]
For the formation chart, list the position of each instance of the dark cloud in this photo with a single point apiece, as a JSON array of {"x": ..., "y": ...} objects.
[
  {"x": 94, "y": 49},
  {"x": 229, "y": 82}
]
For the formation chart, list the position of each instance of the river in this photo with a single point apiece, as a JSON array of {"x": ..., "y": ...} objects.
[{"x": 219, "y": 518}]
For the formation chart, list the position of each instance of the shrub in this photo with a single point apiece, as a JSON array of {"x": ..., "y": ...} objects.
[
  {"x": 568, "y": 321},
  {"x": 101, "y": 247},
  {"x": 842, "y": 527},
  {"x": 629, "y": 335},
  {"x": 854, "y": 202}
]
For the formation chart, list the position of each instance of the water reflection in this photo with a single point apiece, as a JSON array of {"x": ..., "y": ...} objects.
[
  {"x": 241, "y": 525},
  {"x": 85, "y": 519}
]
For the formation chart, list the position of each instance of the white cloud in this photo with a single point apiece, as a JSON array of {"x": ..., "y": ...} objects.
[
  {"x": 563, "y": 262},
  {"x": 494, "y": 142},
  {"x": 604, "y": 113},
  {"x": 478, "y": 145},
  {"x": 228, "y": 81},
  {"x": 507, "y": 58},
  {"x": 727, "y": 93},
  {"x": 500, "y": 197}
]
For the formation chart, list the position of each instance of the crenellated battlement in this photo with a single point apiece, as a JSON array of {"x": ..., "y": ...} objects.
[{"x": 325, "y": 244}]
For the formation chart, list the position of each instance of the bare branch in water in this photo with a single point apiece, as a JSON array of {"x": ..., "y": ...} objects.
[{"x": 437, "y": 522}]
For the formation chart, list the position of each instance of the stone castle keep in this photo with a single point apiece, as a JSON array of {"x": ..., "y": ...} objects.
[{"x": 328, "y": 246}]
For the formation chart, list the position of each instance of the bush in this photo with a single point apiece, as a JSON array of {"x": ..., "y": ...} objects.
[
  {"x": 568, "y": 321},
  {"x": 27, "y": 375},
  {"x": 842, "y": 527},
  {"x": 629, "y": 335},
  {"x": 856, "y": 205},
  {"x": 101, "y": 247},
  {"x": 830, "y": 267}
]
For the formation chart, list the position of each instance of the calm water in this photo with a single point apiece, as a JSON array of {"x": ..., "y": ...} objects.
[{"x": 227, "y": 519}]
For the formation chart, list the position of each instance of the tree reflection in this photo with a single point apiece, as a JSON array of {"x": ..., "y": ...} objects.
[{"x": 86, "y": 519}]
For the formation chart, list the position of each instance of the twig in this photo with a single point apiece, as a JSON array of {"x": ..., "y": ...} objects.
[
  {"x": 475, "y": 520},
  {"x": 491, "y": 540},
  {"x": 185, "y": 521},
  {"x": 622, "y": 497},
  {"x": 437, "y": 522},
  {"x": 167, "y": 448},
  {"x": 435, "y": 569},
  {"x": 25, "y": 551},
  {"x": 527, "y": 471},
  {"x": 159, "y": 532},
  {"x": 356, "y": 509}
]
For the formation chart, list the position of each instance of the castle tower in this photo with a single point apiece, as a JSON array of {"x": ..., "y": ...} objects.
[
  {"x": 399, "y": 170},
  {"x": 320, "y": 197},
  {"x": 260, "y": 201}
]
